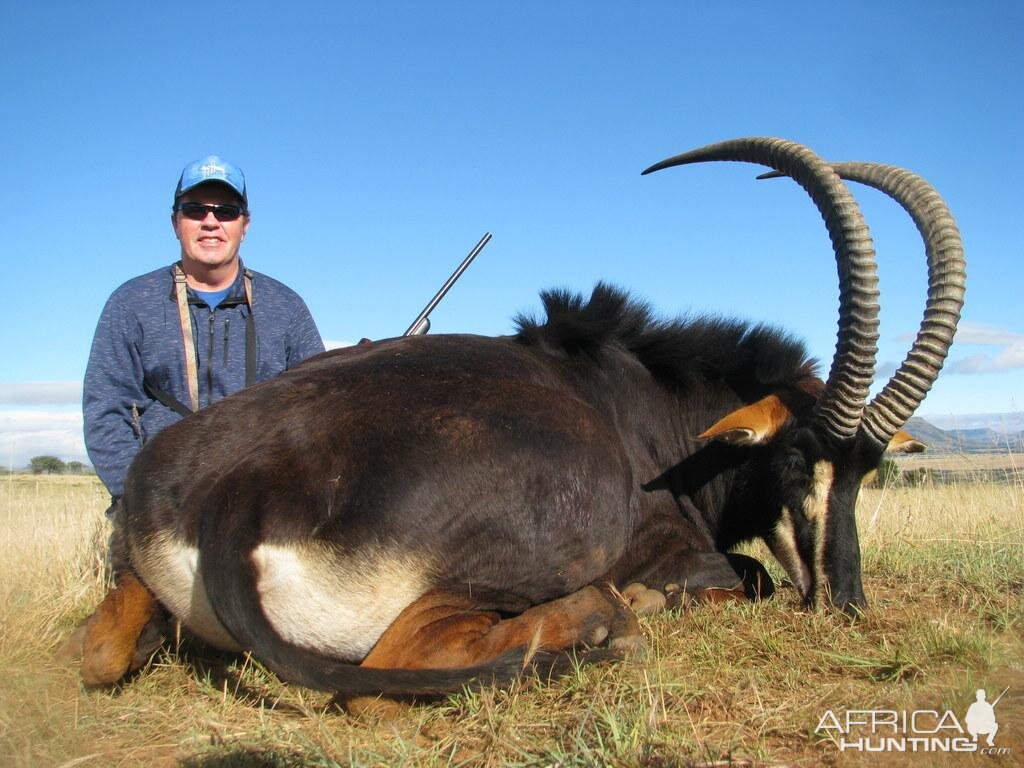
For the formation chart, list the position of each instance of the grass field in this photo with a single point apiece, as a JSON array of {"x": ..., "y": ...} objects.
[{"x": 721, "y": 685}]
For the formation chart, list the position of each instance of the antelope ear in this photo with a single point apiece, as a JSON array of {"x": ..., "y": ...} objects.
[
  {"x": 904, "y": 442},
  {"x": 752, "y": 424}
]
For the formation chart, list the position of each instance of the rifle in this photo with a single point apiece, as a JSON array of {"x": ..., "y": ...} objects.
[
  {"x": 422, "y": 322},
  {"x": 1000, "y": 696}
]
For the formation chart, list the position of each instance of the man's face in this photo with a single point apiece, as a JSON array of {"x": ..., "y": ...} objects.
[{"x": 210, "y": 243}]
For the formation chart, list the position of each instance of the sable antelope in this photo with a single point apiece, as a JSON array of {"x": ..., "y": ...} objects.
[{"x": 434, "y": 509}]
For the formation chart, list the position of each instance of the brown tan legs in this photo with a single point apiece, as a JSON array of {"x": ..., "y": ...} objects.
[
  {"x": 444, "y": 630},
  {"x": 112, "y": 633}
]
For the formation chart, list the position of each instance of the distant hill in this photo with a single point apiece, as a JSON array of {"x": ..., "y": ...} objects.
[
  {"x": 971, "y": 440},
  {"x": 936, "y": 439},
  {"x": 998, "y": 422}
]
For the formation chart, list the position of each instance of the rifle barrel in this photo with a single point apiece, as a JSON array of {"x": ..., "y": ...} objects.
[{"x": 418, "y": 326}]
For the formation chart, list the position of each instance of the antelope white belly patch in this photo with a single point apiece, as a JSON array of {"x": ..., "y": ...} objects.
[
  {"x": 170, "y": 568},
  {"x": 334, "y": 604}
]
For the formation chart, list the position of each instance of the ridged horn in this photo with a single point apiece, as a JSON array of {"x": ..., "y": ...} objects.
[
  {"x": 841, "y": 406},
  {"x": 947, "y": 282}
]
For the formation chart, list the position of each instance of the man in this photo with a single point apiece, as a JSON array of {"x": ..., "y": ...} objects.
[
  {"x": 177, "y": 339},
  {"x": 981, "y": 717}
]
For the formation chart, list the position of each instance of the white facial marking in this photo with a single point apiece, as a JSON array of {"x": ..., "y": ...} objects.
[
  {"x": 782, "y": 544},
  {"x": 816, "y": 509},
  {"x": 821, "y": 484}
]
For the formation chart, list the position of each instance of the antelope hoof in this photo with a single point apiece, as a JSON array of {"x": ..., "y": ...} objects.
[
  {"x": 113, "y": 633},
  {"x": 642, "y": 600}
]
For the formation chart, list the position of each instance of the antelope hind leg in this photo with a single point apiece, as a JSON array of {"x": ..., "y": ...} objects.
[
  {"x": 121, "y": 634},
  {"x": 443, "y": 630}
]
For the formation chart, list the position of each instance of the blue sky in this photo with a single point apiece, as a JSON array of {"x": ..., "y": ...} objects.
[{"x": 381, "y": 140}]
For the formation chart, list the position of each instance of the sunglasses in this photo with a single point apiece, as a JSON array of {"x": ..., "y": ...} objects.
[{"x": 199, "y": 211}]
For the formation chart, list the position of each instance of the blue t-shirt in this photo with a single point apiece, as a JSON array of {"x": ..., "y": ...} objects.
[{"x": 212, "y": 298}]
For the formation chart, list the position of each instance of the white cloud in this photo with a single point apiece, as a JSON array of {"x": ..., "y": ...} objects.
[
  {"x": 968, "y": 332},
  {"x": 24, "y": 434},
  {"x": 41, "y": 393},
  {"x": 1009, "y": 358}
]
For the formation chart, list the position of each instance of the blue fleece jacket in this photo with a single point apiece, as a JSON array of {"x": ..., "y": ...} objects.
[{"x": 138, "y": 339}]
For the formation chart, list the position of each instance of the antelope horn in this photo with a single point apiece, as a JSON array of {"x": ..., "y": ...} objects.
[
  {"x": 947, "y": 282},
  {"x": 841, "y": 406},
  {"x": 947, "y": 279}
]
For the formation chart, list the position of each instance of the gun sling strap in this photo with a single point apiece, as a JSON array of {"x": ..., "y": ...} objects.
[{"x": 189, "y": 345}]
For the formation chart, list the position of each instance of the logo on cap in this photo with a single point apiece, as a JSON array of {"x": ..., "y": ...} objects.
[{"x": 212, "y": 169}]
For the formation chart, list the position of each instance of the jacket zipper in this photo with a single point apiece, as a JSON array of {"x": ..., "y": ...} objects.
[
  {"x": 209, "y": 365},
  {"x": 227, "y": 322}
]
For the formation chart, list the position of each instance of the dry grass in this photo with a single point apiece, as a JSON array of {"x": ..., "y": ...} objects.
[{"x": 722, "y": 685}]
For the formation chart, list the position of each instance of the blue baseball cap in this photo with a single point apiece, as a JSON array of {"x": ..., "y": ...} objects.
[{"x": 212, "y": 168}]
